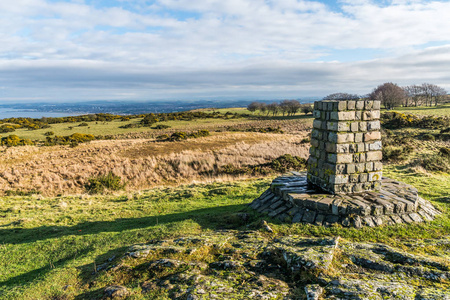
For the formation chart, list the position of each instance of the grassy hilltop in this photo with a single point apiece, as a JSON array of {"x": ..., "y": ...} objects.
[{"x": 71, "y": 212}]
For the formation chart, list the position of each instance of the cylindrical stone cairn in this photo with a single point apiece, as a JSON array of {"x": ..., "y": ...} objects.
[{"x": 345, "y": 153}]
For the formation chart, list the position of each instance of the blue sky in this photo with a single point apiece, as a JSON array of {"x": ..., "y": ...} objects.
[{"x": 55, "y": 50}]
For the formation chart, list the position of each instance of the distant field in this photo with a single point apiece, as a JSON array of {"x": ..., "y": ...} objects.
[
  {"x": 112, "y": 127},
  {"x": 440, "y": 110}
]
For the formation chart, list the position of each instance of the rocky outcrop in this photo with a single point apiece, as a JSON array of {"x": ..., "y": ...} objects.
[{"x": 253, "y": 264}]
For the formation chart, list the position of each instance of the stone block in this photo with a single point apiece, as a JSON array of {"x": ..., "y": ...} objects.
[
  {"x": 373, "y": 125},
  {"x": 317, "y": 124},
  {"x": 374, "y": 156},
  {"x": 360, "y": 104},
  {"x": 338, "y": 179},
  {"x": 369, "y": 166},
  {"x": 342, "y": 115},
  {"x": 374, "y": 146},
  {"x": 316, "y": 105},
  {"x": 361, "y": 147},
  {"x": 315, "y": 133},
  {"x": 332, "y": 137},
  {"x": 375, "y": 176},
  {"x": 344, "y": 158},
  {"x": 342, "y": 148},
  {"x": 368, "y": 105},
  {"x": 335, "y": 206},
  {"x": 354, "y": 127},
  {"x": 377, "y": 166},
  {"x": 354, "y": 178},
  {"x": 309, "y": 216},
  {"x": 340, "y": 169},
  {"x": 330, "y": 147},
  {"x": 342, "y": 105},
  {"x": 321, "y": 145},
  {"x": 353, "y": 148},
  {"x": 325, "y": 204},
  {"x": 343, "y": 126},
  {"x": 357, "y": 188},
  {"x": 363, "y": 177},
  {"x": 316, "y": 114},
  {"x": 372, "y": 136},
  {"x": 376, "y": 104},
  {"x": 360, "y": 167},
  {"x": 358, "y": 137},
  {"x": 359, "y": 157},
  {"x": 351, "y": 105},
  {"x": 371, "y": 115},
  {"x": 345, "y": 138},
  {"x": 338, "y": 126},
  {"x": 362, "y": 126},
  {"x": 323, "y": 155},
  {"x": 314, "y": 142},
  {"x": 351, "y": 168}
]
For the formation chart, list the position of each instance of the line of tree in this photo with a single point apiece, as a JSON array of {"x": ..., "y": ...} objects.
[
  {"x": 285, "y": 107},
  {"x": 391, "y": 95}
]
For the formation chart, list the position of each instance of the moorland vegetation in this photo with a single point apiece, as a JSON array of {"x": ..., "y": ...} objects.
[{"x": 72, "y": 207}]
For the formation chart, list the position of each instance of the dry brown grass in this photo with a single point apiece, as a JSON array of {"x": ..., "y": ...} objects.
[
  {"x": 142, "y": 163},
  {"x": 288, "y": 125}
]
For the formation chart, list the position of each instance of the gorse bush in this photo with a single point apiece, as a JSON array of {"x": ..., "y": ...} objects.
[
  {"x": 396, "y": 120},
  {"x": 73, "y": 139},
  {"x": 435, "y": 162},
  {"x": 288, "y": 162},
  {"x": 14, "y": 140},
  {"x": 281, "y": 164},
  {"x": 7, "y": 128},
  {"x": 181, "y": 135},
  {"x": 110, "y": 182},
  {"x": 161, "y": 126},
  {"x": 428, "y": 137},
  {"x": 256, "y": 129}
]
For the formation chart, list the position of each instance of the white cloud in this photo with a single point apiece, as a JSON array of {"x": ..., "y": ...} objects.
[{"x": 241, "y": 45}]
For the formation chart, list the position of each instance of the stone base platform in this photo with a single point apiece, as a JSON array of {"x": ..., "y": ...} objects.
[{"x": 291, "y": 199}]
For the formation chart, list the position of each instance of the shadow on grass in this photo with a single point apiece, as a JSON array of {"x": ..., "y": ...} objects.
[
  {"x": 213, "y": 218},
  {"x": 206, "y": 217}
]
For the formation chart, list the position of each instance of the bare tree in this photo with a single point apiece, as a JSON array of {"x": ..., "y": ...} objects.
[
  {"x": 263, "y": 107},
  {"x": 427, "y": 91},
  {"x": 254, "y": 106},
  {"x": 284, "y": 107},
  {"x": 341, "y": 96},
  {"x": 307, "y": 109},
  {"x": 274, "y": 108},
  {"x": 438, "y": 94},
  {"x": 414, "y": 93},
  {"x": 390, "y": 95}
]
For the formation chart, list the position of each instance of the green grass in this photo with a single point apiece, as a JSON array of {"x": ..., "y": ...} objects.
[
  {"x": 50, "y": 243},
  {"x": 95, "y": 128},
  {"x": 50, "y": 246},
  {"x": 53, "y": 242},
  {"x": 439, "y": 111}
]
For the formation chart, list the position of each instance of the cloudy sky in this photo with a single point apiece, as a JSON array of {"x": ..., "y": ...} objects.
[{"x": 64, "y": 50}]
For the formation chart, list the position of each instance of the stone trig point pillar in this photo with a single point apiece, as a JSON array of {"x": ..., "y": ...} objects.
[
  {"x": 345, "y": 153},
  {"x": 344, "y": 182}
]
